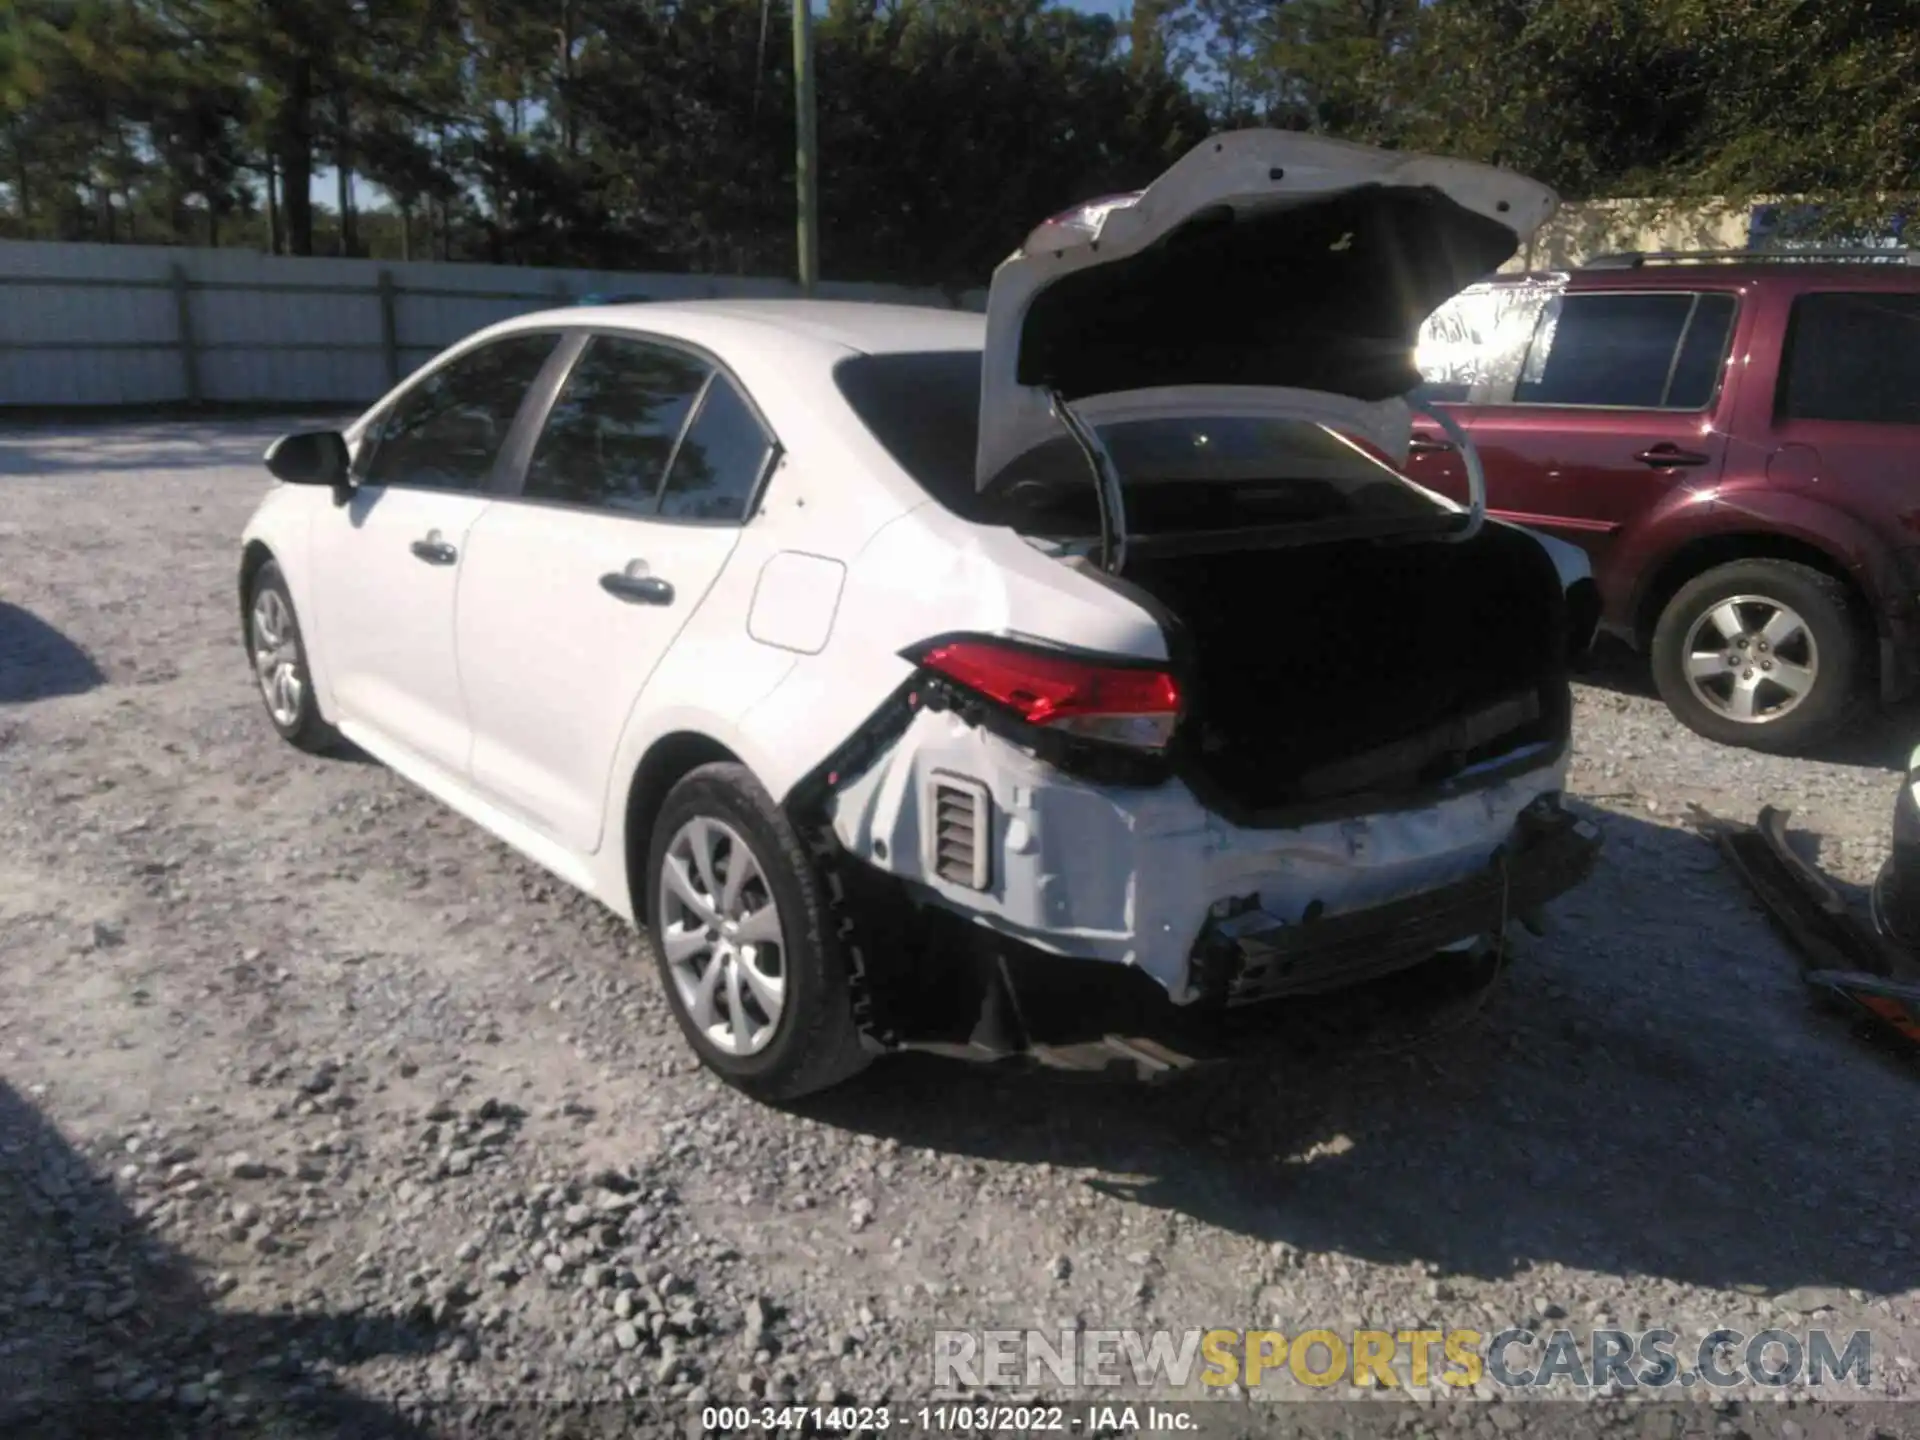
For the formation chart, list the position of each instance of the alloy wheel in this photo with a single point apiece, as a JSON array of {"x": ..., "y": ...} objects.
[
  {"x": 1751, "y": 659},
  {"x": 721, "y": 937},
  {"x": 276, "y": 658}
]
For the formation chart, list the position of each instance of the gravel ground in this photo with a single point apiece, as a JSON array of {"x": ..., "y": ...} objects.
[{"x": 319, "y": 1108}]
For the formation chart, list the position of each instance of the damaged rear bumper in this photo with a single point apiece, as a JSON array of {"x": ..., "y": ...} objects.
[
  {"x": 1140, "y": 877},
  {"x": 1083, "y": 1015},
  {"x": 1005, "y": 907},
  {"x": 1258, "y": 956}
]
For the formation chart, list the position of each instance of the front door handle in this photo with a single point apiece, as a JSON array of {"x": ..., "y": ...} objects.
[
  {"x": 637, "y": 589},
  {"x": 1663, "y": 456},
  {"x": 1420, "y": 445},
  {"x": 434, "y": 550}
]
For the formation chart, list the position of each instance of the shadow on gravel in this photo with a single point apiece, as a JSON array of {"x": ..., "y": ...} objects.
[
  {"x": 106, "y": 1331},
  {"x": 38, "y": 662},
  {"x": 1646, "y": 1092},
  {"x": 1881, "y": 740}
]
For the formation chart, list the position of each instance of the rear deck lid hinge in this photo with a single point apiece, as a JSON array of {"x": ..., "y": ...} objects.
[{"x": 1106, "y": 483}]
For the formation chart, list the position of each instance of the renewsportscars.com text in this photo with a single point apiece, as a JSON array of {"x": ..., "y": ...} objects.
[{"x": 1394, "y": 1359}]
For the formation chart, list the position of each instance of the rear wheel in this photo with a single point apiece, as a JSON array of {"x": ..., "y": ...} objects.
[
  {"x": 1762, "y": 653},
  {"x": 739, "y": 925},
  {"x": 280, "y": 669}
]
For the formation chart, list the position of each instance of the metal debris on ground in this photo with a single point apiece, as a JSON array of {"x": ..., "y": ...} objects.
[{"x": 1841, "y": 955}]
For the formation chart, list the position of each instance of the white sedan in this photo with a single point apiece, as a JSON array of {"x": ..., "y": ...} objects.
[{"x": 924, "y": 679}]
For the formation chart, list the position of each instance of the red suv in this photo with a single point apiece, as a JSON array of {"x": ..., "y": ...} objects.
[{"x": 1735, "y": 441}]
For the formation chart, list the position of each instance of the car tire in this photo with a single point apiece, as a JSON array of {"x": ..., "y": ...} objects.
[
  {"x": 1809, "y": 612},
  {"x": 722, "y": 852},
  {"x": 281, "y": 672}
]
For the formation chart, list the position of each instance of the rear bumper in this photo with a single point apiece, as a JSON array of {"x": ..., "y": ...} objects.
[
  {"x": 999, "y": 904},
  {"x": 1077, "y": 1014},
  {"x": 1132, "y": 876},
  {"x": 1256, "y": 956}
]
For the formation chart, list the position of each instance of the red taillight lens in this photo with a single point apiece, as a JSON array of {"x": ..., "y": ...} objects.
[{"x": 1122, "y": 704}]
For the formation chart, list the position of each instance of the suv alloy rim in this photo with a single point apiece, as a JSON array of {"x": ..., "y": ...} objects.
[
  {"x": 720, "y": 933},
  {"x": 1751, "y": 659}
]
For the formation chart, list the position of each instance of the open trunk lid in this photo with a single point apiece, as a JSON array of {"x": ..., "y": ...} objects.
[{"x": 1266, "y": 274}]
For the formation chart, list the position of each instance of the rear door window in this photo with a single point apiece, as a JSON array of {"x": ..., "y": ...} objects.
[
  {"x": 612, "y": 430},
  {"x": 445, "y": 433},
  {"x": 1853, "y": 358},
  {"x": 1703, "y": 354},
  {"x": 718, "y": 466},
  {"x": 1627, "y": 351}
]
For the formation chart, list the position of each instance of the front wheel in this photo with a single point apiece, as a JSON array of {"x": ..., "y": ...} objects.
[
  {"x": 1762, "y": 653},
  {"x": 280, "y": 668},
  {"x": 738, "y": 918}
]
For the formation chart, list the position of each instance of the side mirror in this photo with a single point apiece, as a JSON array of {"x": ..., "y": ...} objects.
[{"x": 311, "y": 457}]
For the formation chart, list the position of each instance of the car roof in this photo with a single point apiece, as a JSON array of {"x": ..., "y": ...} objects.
[
  {"x": 862, "y": 327},
  {"x": 1725, "y": 275}
]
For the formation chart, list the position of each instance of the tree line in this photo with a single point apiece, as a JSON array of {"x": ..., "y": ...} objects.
[{"x": 657, "y": 134}]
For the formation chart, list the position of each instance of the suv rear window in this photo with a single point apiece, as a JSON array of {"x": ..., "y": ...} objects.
[
  {"x": 1180, "y": 474},
  {"x": 1627, "y": 351},
  {"x": 1853, "y": 357}
]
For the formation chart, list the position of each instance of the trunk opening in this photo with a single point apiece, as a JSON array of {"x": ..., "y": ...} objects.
[{"x": 1360, "y": 668}]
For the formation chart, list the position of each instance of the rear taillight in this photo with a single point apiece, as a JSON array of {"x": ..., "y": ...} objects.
[{"x": 1137, "y": 706}]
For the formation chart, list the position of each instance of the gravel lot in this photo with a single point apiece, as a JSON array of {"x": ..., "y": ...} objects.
[{"x": 319, "y": 1109}]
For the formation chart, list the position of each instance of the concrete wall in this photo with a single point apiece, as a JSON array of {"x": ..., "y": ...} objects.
[
  {"x": 145, "y": 324},
  {"x": 1580, "y": 232}
]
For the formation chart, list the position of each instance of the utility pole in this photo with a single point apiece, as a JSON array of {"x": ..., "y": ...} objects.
[{"x": 806, "y": 168}]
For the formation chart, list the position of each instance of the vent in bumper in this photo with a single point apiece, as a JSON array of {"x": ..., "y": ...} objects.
[{"x": 959, "y": 828}]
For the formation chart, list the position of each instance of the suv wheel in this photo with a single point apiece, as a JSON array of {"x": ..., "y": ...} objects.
[
  {"x": 1761, "y": 653},
  {"x": 280, "y": 664},
  {"x": 738, "y": 919}
]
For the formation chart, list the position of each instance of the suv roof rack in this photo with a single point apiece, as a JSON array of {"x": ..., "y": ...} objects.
[{"x": 1636, "y": 259}]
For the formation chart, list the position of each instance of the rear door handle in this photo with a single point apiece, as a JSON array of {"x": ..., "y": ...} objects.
[
  {"x": 434, "y": 550},
  {"x": 637, "y": 589},
  {"x": 1420, "y": 445},
  {"x": 1663, "y": 456}
]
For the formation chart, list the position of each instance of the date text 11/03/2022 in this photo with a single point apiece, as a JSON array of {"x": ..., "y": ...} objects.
[{"x": 949, "y": 1419}]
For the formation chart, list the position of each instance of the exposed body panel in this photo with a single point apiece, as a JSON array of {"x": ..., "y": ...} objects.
[{"x": 1132, "y": 875}]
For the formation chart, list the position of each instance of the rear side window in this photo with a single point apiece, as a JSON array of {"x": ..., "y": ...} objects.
[
  {"x": 1853, "y": 358},
  {"x": 610, "y": 434},
  {"x": 719, "y": 464},
  {"x": 1639, "y": 352},
  {"x": 1479, "y": 338},
  {"x": 445, "y": 432}
]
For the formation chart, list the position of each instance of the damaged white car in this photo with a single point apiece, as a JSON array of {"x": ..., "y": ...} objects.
[{"x": 1036, "y": 683}]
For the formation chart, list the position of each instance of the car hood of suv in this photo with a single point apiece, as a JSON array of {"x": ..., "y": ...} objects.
[{"x": 1265, "y": 273}]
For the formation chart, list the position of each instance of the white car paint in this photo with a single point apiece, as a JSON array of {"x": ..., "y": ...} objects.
[
  {"x": 551, "y": 664},
  {"x": 1249, "y": 171},
  {"x": 389, "y": 617},
  {"x": 795, "y": 600},
  {"x": 1130, "y": 876},
  {"x": 513, "y": 687}
]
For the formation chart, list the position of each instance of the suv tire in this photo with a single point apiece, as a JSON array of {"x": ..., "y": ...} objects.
[
  {"x": 738, "y": 917},
  {"x": 1789, "y": 618},
  {"x": 280, "y": 668}
]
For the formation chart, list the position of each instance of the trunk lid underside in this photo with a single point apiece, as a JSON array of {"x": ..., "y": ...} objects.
[{"x": 1262, "y": 263}]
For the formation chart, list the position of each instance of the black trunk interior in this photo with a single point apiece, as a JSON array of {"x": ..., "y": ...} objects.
[{"x": 1358, "y": 667}]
